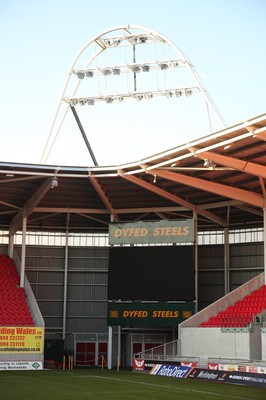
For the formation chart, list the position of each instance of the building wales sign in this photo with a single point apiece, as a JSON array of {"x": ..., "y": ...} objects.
[{"x": 152, "y": 232}]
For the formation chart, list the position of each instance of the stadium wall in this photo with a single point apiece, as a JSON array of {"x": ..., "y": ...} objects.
[
  {"x": 263, "y": 343},
  {"x": 87, "y": 280},
  {"x": 220, "y": 343}
]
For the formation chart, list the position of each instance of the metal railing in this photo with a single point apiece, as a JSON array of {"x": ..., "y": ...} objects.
[{"x": 166, "y": 352}]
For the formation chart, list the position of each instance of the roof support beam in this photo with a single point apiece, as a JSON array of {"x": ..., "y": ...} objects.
[
  {"x": 213, "y": 187},
  {"x": 58, "y": 210},
  {"x": 250, "y": 210},
  {"x": 260, "y": 133},
  {"x": 240, "y": 165},
  {"x": 102, "y": 195},
  {"x": 92, "y": 218},
  {"x": 262, "y": 185},
  {"x": 29, "y": 206},
  {"x": 173, "y": 198},
  {"x": 9, "y": 205}
]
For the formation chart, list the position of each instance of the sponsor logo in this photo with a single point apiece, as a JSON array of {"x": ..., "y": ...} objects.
[
  {"x": 253, "y": 379},
  {"x": 174, "y": 371},
  {"x": 253, "y": 369},
  {"x": 155, "y": 314},
  {"x": 138, "y": 365},
  {"x": 187, "y": 314},
  {"x": 213, "y": 366},
  {"x": 188, "y": 364},
  {"x": 149, "y": 365},
  {"x": 114, "y": 314},
  {"x": 207, "y": 375},
  {"x": 155, "y": 369},
  {"x": 159, "y": 231},
  {"x": 152, "y": 232}
]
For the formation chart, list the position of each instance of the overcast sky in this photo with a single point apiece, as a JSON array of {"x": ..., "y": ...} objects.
[{"x": 224, "y": 39}]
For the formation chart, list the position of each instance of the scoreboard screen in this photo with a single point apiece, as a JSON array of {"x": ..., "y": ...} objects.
[{"x": 155, "y": 273}]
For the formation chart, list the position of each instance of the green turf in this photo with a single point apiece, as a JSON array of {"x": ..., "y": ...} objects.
[{"x": 95, "y": 384}]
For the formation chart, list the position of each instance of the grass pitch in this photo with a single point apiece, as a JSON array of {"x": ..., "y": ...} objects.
[{"x": 95, "y": 384}]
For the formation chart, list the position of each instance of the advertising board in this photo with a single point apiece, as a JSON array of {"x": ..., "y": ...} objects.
[
  {"x": 21, "y": 339},
  {"x": 173, "y": 371},
  {"x": 20, "y": 365},
  {"x": 148, "y": 314},
  {"x": 152, "y": 232}
]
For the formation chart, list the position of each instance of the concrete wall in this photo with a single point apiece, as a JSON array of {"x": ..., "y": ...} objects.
[
  {"x": 263, "y": 344},
  {"x": 216, "y": 343},
  {"x": 255, "y": 342},
  {"x": 223, "y": 343}
]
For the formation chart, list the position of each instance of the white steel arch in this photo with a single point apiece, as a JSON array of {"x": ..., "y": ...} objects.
[{"x": 130, "y": 35}]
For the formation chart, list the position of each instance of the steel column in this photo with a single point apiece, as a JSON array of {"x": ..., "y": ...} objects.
[{"x": 23, "y": 252}]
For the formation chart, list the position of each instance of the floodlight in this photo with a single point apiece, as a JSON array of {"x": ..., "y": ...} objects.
[
  {"x": 73, "y": 102},
  {"x": 109, "y": 100},
  {"x": 134, "y": 40},
  {"x": 83, "y": 102},
  {"x": 89, "y": 74},
  {"x": 138, "y": 97},
  {"x": 117, "y": 41},
  {"x": 81, "y": 74},
  {"x": 142, "y": 39},
  {"x": 163, "y": 66},
  {"x": 119, "y": 99},
  {"x": 54, "y": 182},
  {"x": 145, "y": 68},
  {"x": 174, "y": 64},
  {"x": 168, "y": 94},
  {"x": 116, "y": 71},
  {"x": 148, "y": 96},
  {"x": 131, "y": 65},
  {"x": 107, "y": 42},
  {"x": 135, "y": 68},
  {"x": 209, "y": 164},
  {"x": 106, "y": 71}
]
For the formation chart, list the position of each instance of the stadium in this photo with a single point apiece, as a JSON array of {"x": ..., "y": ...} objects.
[{"x": 151, "y": 262}]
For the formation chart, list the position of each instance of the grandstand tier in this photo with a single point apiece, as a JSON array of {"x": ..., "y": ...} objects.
[
  {"x": 14, "y": 309},
  {"x": 241, "y": 313}
]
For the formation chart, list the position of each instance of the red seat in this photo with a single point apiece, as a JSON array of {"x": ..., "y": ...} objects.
[{"x": 14, "y": 309}]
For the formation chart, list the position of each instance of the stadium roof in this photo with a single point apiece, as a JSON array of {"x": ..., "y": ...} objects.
[{"x": 221, "y": 177}]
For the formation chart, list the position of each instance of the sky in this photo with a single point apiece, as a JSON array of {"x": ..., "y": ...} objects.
[{"x": 224, "y": 40}]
